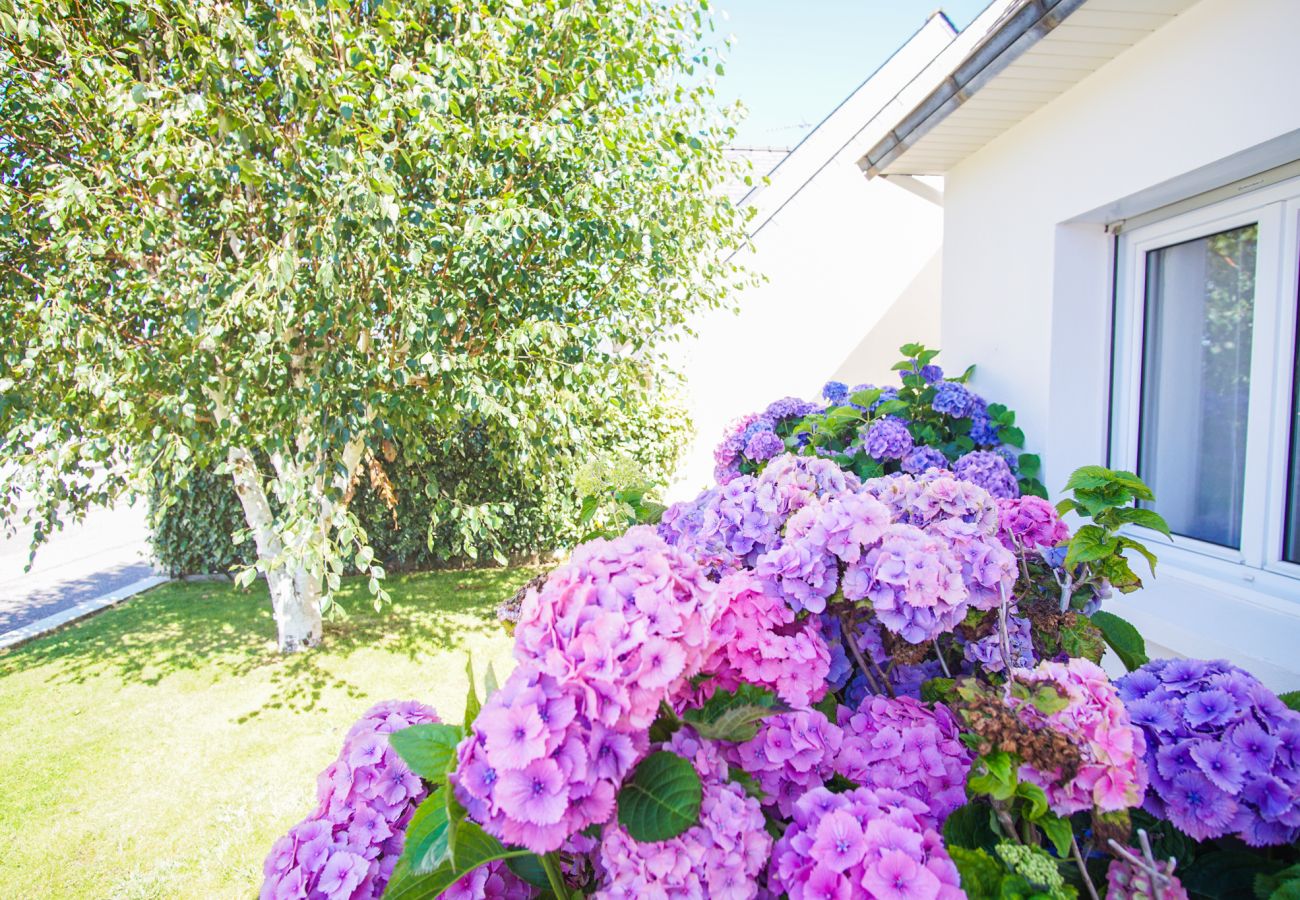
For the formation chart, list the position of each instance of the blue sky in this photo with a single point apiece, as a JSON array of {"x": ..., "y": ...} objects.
[{"x": 794, "y": 60}]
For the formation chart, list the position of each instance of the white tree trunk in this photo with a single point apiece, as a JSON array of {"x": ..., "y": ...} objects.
[{"x": 295, "y": 593}]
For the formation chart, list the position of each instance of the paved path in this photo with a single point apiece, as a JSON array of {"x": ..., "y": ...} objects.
[{"x": 104, "y": 553}]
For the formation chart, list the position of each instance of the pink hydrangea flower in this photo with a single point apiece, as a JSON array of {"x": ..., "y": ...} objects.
[
  {"x": 758, "y": 640},
  {"x": 721, "y": 857},
  {"x": 906, "y": 746},
  {"x": 862, "y": 843},
  {"x": 1030, "y": 523},
  {"x": 1112, "y": 775},
  {"x": 609, "y": 637},
  {"x": 792, "y": 753}
]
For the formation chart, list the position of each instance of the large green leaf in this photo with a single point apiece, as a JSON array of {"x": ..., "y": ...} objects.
[
  {"x": 476, "y": 848},
  {"x": 1123, "y": 638},
  {"x": 426, "y": 846},
  {"x": 427, "y": 748},
  {"x": 733, "y": 715},
  {"x": 661, "y": 799}
]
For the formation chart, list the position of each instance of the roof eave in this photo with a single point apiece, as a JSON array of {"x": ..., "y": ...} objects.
[{"x": 1021, "y": 30}]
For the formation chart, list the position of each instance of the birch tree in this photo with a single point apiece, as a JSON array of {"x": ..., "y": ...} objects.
[{"x": 274, "y": 236}]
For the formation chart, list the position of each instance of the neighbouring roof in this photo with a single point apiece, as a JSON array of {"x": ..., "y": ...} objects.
[
  {"x": 1037, "y": 51},
  {"x": 762, "y": 159}
]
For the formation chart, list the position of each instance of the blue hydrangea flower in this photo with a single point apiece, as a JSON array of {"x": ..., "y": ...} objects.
[
  {"x": 919, "y": 460},
  {"x": 836, "y": 392},
  {"x": 952, "y": 399}
]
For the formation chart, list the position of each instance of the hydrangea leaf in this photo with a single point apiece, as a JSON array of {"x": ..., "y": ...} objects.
[
  {"x": 426, "y": 838},
  {"x": 428, "y": 748},
  {"x": 1123, "y": 638},
  {"x": 477, "y": 848},
  {"x": 1058, "y": 831},
  {"x": 981, "y": 874},
  {"x": 1080, "y": 637},
  {"x": 529, "y": 867},
  {"x": 1291, "y": 699},
  {"x": 472, "y": 703},
  {"x": 734, "y": 715},
  {"x": 661, "y": 799},
  {"x": 970, "y": 827}
]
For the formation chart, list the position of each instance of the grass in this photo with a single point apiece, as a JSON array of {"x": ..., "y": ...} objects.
[{"x": 159, "y": 748}]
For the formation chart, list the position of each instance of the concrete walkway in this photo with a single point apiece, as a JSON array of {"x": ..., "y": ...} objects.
[{"x": 84, "y": 567}]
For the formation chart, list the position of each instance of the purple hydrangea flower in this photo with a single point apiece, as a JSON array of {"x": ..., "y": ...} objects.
[
  {"x": 887, "y": 438},
  {"x": 763, "y": 446},
  {"x": 990, "y": 471},
  {"x": 1223, "y": 753}
]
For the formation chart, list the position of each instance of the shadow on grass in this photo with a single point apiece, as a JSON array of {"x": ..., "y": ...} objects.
[{"x": 221, "y": 631}]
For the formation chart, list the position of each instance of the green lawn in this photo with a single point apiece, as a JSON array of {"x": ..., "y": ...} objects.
[{"x": 157, "y": 749}]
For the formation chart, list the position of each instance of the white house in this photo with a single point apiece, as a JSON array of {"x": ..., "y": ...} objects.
[
  {"x": 851, "y": 264},
  {"x": 1120, "y": 247}
]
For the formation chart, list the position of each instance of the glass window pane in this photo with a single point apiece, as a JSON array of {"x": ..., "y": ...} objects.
[
  {"x": 1291, "y": 552},
  {"x": 1199, "y": 307}
]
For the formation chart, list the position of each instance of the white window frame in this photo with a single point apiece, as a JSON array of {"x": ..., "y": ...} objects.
[{"x": 1276, "y": 209}]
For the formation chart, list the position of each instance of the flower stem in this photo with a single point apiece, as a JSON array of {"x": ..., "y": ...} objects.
[{"x": 1083, "y": 869}]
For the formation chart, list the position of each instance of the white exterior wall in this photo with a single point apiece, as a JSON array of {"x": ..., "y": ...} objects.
[
  {"x": 851, "y": 266},
  {"x": 1027, "y": 268}
]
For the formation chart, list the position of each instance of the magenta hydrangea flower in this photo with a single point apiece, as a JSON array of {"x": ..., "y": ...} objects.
[
  {"x": 1030, "y": 523},
  {"x": 906, "y": 746},
  {"x": 1125, "y": 881},
  {"x": 792, "y": 753},
  {"x": 1112, "y": 775},
  {"x": 493, "y": 881},
  {"x": 887, "y": 438},
  {"x": 990, "y": 471},
  {"x": 757, "y": 639},
  {"x": 914, "y": 583},
  {"x": 862, "y": 843},
  {"x": 1223, "y": 752},
  {"x": 723, "y": 856},
  {"x": 611, "y": 635},
  {"x": 348, "y": 845}
]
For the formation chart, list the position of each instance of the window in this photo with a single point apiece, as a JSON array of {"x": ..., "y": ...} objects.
[{"x": 1207, "y": 376}]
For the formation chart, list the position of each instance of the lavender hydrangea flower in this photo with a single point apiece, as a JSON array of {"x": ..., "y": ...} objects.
[
  {"x": 861, "y": 843},
  {"x": 920, "y": 460},
  {"x": 1222, "y": 751},
  {"x": 350, "y": 843},
  {"x": 887, "y": 438},
  {"x": 990, "y": 471},
  {"x": 789, "y": 408},
  {"x": 952, "y": 399},
  {"x": 987, "y": 651}
]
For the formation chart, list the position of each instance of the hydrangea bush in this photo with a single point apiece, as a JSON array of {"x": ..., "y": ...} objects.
[{"x": 866, "y": 663}]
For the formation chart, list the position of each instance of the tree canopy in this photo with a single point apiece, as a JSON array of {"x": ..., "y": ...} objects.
[{"x": 274, "y": 235}]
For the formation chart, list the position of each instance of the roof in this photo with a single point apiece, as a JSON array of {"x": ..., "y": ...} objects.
[
  {"x": 1037, "y": 51},
  {"x": 763, "y": 160}
]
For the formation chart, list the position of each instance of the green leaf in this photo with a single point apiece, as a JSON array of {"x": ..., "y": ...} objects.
[
  {"x": 1035, "y": 797},
  {"x": 1058, "y": 831},
  {"x": 429, "y": 749},
  {"x": 1291, "y": 699},
  {"x": 529, "y": 868},
  {"x": 1090, "y": 542},
  {"x": 1029, "y": 465},
  {"x": 938, "y": 690},
  {"x": 734, "y": 716},
  {"x": 1146, "y": 518},
  {"x": 472, "y": 704},
  {"x": 1011, "y": 434},
  {"x": 661, "y": 799},
  {"x": 981, "y": 874},
  {"x": 1123, "y": 638},
  {"x": 1225, "y": 874},
  {"x": 969, "y": 826},
  {"x": 828, "y": 706},
  {"x": 994, "y": 774},
  {"x": 476, "y": 848},
  {"x": 425, "y": 848},
  {"x": 1081, "y": 638}
]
